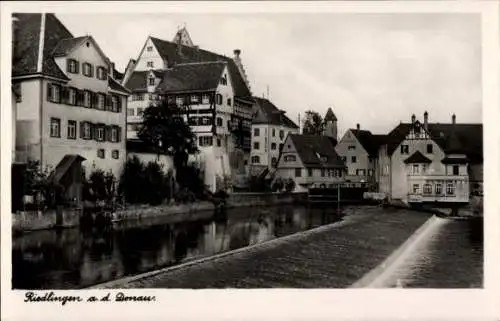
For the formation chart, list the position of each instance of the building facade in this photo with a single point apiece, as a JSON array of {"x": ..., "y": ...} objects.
[
  {"x": 431, "y": 162},
  {"x": 270, "y": 128},
  {"x": 311, "y": 161},
  {"x": 70, "y": 103},
  {"x": 210, "y": 89}
]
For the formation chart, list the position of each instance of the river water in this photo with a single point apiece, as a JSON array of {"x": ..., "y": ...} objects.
[{"x": 73, "y": 258}]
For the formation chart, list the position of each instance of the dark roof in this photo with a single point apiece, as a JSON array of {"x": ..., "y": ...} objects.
[
  {"x": 117, "y": 75},
  {"x": 330, "y": 115},
  {"x": 455, "y": 160},
  {"x": 169, "y": 51},
  {"x": 467, "y": 139},
  {"x": 310, "y": 146},
  {"x": 192, "y": 77},
  {"x": 26, "y": 43},
  {"x": 65, "y": 46},
  {"x": 64, "y": 165},
  {"x": 417, "y": 158},
  {"x": 268, "y": 113},
  {"x": 115, "y": 85},
  {"x": 369, "y": 141},
  {"x": 137, "y": 81}
]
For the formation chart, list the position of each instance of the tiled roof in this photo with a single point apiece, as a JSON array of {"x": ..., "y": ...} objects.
[
  {"x": 66, "y": 45},
  {"x": 268, "y": 113},
  {"x": 309, "y": 147},
  {"x": 369, "y": 141},
  {"x": 468, "y": 138},
  {"x": 117, "y": 75},
  {"x": 137, "y": 81},
  {"x": 417, "y": 158},
  {"x": 115, "y": 85},
  {"x": 64, "y": 165},
  {"x": 192, "y": 77},
  {"x": 26, "y": 43},
  {"x": 169, "y": 51},
  {"x": 330, "y": 115}
]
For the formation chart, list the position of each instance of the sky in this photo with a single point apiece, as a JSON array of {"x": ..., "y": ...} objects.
[{"x": 373, "y": 69}]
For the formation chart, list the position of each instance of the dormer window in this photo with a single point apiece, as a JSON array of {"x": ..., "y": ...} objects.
[
  {"x": 150, "y": 64},
  {"x": 223, "y": 80},
  {"x": 151, "y": 81},
  {"x": 72, "y": 66}
]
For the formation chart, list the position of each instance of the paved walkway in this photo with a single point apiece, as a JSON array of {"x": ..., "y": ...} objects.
[{"x": 335, "y": 256}]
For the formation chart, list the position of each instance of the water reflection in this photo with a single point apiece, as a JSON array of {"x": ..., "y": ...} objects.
[{"x": 74, "y": 258}]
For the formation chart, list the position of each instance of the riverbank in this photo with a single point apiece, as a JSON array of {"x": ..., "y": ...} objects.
[{"x": 32, "y": 221}]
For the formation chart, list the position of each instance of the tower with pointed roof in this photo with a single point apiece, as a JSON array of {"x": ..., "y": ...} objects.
[{"x": 330, "y": 124}]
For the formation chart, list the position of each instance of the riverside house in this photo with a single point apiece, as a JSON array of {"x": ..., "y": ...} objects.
[
  {"x": 213, "y": 92},
  {"x": 359, "y": 150},
  {"x": 432, "y": 162},
  {"x": 311, "y": 161},
  {"x": 270, "y": 127},
  {"x": 68, "y": 100}
]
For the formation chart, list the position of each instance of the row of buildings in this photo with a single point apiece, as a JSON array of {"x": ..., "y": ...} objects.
[{"x": 69, "y": 103}]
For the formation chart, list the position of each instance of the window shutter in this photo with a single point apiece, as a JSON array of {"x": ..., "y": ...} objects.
[
  {"x": 65, "y": 95},
  {"x": 104, "y": 73},
  {"x": 82, "y": 124},
  {"x": 93, "y": 131},
  {"x": 119, "y": 134},
  {"x": 49, "y": 91},
  {"x": 77, "y": 67},
  {"x": 59, "y": 99},
  {"x": 68, "y": 64},
  {"x": 95, "y": 100},
  {"x": 91, "y": 67},
  {"x": 119, "y": 99},
  {"x": 107, "y": 133}
]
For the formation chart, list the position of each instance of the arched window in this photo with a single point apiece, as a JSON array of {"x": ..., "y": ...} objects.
[
  {"x": 255, "y": 160},
  {"x": 218, "y": 99}
]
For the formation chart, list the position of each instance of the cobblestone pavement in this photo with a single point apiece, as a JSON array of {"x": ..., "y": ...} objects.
[{"x": 335, "y": 257}]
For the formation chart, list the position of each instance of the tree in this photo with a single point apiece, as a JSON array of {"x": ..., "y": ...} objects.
[
  {"x": 313, "y": 123},
  {"x": 165, "y": 130}
]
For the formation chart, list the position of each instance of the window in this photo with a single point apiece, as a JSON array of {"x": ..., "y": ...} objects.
[
  {"x": 71, "y": 129},
  {"x": 100, "y": 133},
  {"x": 130, "y": 111},
  {"x": 429, "y": 148},
  {"x": 219, "y": 121},
  {"x": 55, "y": 127},
  {"x": 149, "y": 48},
  {"x": 100, "y": 153},
  {"x": 255, "y": 160},
  {"x": 416, "y": 188},
  {"x": 72, "y": 66},
  {"x": 427, "y": 189},
  {"x": 282, "y": 134},
  {"x": 256, "y": 131},
  {"x": 344, "y": 159},
  {"x": 370, "y": 172},
  {"x": 274, "y": 132},
  {"x": 205, "y": 141},
  {"x": 353, "y": 159},
  {"x": 415, "y": 169},
  {"x": 54, "y": 93},
  {"x": 151, "y": 81},
  {"x": 101, "y": 73},
  {"x": 256, "y": 145},
  {"x": 101, "y": 101},
  {"x": 205, "y": 99},
  {"x": 115, "y": 154},
  {"x": 137, "y": 97},
  {"x": 179, "y": 101},
  {"x": 219, "y": 142},
  {"x": 140, "y": 111},
  {"x": 404, "y": 149},
  {"x": 218, "y": 99},
  {"x": 88, "y": 70},
  {"x": 274, "y": 161},
  {"x": 195, "y": 99},
  {"x": 439, "y": 189},
  {"x": 72, "y": 96},
  {"x": 150, "y": 64},
  {"x": 206, "y": 121},
  {"x": 322, "y": 172},
  {"x": 455, "y": 169},
  {"x": 424, "y": 168},
  {"x": 290, "y": 158},
  {"x": 87, "y": 99},
  {"x": 223, "y": 80},
  {"x": 450, "y": 189},
  {"x": 298, "y": 172},
  {"x": 85, "y": 131},
  {"x": 273, "y": 146},
  {"x": 351, "y": 147},
  {"x": 310, "y": 172},
  {"x": 360, "y": 172},
  {"x": 229, "y": 101},
  {"x": 114, "y": 134}
]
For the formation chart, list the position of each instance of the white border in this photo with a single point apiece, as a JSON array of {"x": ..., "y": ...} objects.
[{"x": 276, "y": 304}]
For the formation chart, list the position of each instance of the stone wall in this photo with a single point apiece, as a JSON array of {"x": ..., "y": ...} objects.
[{"x": 38, "y": 220}]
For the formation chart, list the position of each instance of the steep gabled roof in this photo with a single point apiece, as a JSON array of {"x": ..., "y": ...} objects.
[
  {"x": 65, "y": 46},
  {"x": 137, "y": 81},
  {"x": 171, "y": 53},
  {"x": 369, "y": 141},
  {"x": 268, "y": 113},
  {"x": 115, "y": 85},
  {"x": 330, "y": 116},
  {"x": 26, "y": 44},
  {"x": 192, "y": 77},
  {"x": 417, "y": 158},
  {"x": 309, "y": 147}
]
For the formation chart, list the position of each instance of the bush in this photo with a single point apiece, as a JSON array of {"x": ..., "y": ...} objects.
[
  {"x": 154, "y": 178},
  {"x": 290, "y": 185},
  {"x": 132, "y": 181},
  {"x": 190, "y": 178},
  {"x": 278, "y": 185},
  {"x": 258, "y": 185}
]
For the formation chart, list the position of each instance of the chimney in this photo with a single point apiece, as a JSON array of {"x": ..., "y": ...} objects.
[
  {"x": 426, "y": 120},
  {"x": 357, "y": 126},
  {"x": 413, "y": 118},
  {"x": 453, "y": 119}
]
